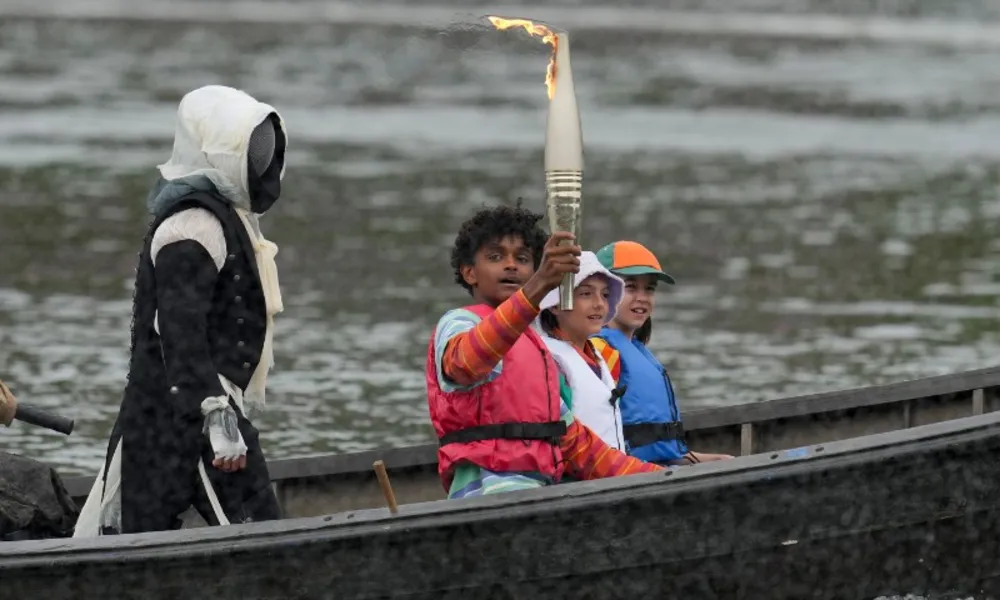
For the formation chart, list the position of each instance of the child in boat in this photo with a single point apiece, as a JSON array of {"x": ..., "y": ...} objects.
[
  {"x": 494, "y": 392},
  {"x": 567, "y": 334},
  {"x": 652, "y": 421}
]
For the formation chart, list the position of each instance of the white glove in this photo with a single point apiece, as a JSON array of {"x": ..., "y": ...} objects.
[{"x": 222, "y": 428}]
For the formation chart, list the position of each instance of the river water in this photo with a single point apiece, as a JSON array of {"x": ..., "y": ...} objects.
[{"x": 821, "y": 178}]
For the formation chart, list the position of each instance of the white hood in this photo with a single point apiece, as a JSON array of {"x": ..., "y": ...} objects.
[
  {"x": 589, "y": 265},
  {"x": 214, "y": 124}
]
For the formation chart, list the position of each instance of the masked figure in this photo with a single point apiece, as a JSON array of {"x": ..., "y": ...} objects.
[{"x": 206, "y": 292}]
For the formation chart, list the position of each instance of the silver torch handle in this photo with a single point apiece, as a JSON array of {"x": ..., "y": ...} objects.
[{"x": 564, "y": 204}]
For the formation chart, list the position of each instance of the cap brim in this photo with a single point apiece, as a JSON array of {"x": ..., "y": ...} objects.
[{"x": 625, "y": 271}]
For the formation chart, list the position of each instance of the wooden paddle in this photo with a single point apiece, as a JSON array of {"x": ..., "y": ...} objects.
[{"x": 383, "y": 480}]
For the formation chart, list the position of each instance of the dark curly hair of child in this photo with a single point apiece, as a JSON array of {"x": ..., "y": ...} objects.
[{"x": 493, "y": 224}]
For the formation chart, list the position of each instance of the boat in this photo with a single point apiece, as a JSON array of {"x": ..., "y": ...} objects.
[{"x": 888, "y": 489}]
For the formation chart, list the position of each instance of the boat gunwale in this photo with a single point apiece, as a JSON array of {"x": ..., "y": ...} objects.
[
  {"x": 837, "y": 400},
  {"x": 209, "y": 541}
]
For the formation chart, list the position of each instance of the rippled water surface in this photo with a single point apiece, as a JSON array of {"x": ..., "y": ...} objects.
[{"x": 821, "y": 178}]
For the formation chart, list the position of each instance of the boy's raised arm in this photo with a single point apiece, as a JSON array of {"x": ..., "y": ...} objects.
[{"x": 470, "y": 355}]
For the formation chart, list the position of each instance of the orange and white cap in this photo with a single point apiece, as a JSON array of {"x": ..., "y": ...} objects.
[{"x": 625, "y": 258}]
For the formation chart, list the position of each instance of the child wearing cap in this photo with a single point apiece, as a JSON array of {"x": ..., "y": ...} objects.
[
  {"x": 652, "y": 421},
  {"x": 498, "y": 404},
  {"x": 567, "y": 334}
]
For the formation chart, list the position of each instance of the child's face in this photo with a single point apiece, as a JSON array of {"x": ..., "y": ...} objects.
[
  {"x": 501, "y": 267},
  {"x": 590, "y": 308},
  {"x": 638, "y": 301}
]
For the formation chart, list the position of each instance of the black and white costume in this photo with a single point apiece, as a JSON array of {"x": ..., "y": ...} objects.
[{"x": 206, "y": 293}]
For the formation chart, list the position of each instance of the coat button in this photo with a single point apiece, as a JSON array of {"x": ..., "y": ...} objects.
[
  {"x": 174, "y": 390},
  {"x": 239, "y": 321},
  {"x": 231, "y": 257},
  {"x": 238, "y": 298},
  {"x": 240, "y": 344},
  {"x": 246, "y": 365},
  {"x": 236, "y": 277}
]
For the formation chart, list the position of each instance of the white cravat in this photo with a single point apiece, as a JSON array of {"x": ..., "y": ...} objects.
[{"x": 264, "y": 250}]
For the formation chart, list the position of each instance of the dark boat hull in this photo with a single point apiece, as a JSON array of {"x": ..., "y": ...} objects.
[{"x": 908, "y": 511}]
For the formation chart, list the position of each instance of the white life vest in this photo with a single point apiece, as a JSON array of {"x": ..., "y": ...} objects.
[{"x": 591, "y": 394}]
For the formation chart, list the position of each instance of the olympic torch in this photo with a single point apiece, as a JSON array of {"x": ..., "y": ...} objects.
[
  {"x": 563, "y": 141},
  {"x": 564, "y": 158}
]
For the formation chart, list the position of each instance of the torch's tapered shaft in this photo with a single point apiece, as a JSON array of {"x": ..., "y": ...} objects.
[{"x": 564, "y": 159}]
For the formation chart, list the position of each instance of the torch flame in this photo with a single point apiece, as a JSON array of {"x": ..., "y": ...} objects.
[{"x": 535, "y": 29}]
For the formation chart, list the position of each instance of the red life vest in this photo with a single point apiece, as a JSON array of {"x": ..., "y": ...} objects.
[{"x": 511, "y": 424}]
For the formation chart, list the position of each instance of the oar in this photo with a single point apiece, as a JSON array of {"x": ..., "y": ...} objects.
[
  {"x": 383, "y": 479},
  {"x": 11, "y": 409}
]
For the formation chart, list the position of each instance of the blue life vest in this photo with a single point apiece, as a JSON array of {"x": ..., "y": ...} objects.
[{"x": 649, "y": 409}]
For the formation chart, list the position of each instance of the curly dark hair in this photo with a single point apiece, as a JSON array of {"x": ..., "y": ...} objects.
[{"x": 492, "y": 224}]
